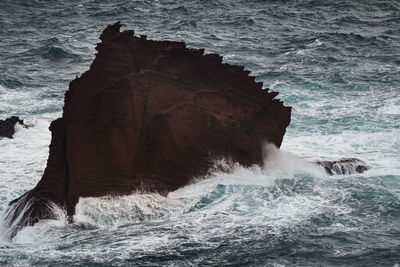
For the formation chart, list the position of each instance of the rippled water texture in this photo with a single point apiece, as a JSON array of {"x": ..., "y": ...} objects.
[{"x": 336, "y": 64}]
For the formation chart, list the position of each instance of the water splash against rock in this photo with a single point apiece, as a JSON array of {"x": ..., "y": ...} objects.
[{"x": 7, "y": 126}]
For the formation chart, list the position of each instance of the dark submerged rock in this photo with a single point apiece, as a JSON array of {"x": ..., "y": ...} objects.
[
  {"x": 344, "y": 166},
  {"x": 7, "y": 126},
  {"x": 150, "y": 115}
]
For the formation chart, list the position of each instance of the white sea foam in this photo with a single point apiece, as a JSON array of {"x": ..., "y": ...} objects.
[
  {"x": 317, "y": 42},
  {"x": 115, "y": 211},
  {"x": 259, "y": 199},
  {"x": 28, "y": 150},
  {"x": 224, "y": 200},
  {"x": 218, "y": 192},
  {"x": 390, "y": 107},
  {"x": 14, "y": 217},
  {"x": 44, "y": 230},
  {"x": 344, "y": 92}
]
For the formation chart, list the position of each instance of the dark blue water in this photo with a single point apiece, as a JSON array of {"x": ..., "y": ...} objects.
[{"x": 338, "y": 66}]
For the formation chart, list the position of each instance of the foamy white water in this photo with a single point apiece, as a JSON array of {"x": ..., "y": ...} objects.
[
  {"x": 335, "y": 63},
  {"x": 23, "y": 159},
  {"x": 231, "y": 194}
]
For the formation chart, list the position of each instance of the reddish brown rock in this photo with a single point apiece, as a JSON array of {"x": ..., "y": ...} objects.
[{"x": 152, "y": 115}]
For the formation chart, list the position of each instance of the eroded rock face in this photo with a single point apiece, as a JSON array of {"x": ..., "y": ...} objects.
[
  {"x": 152, "y": 115},
  {"x": 7, "y": 126}
]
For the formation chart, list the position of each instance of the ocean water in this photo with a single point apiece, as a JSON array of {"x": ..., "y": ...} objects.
[{"x": 338, "y": 66}]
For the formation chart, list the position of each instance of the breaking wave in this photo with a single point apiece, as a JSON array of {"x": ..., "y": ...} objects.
[
  {"x": 222, "y": 191},
  {"x": 288, "y": 199},
  {"x": 336, "y": 64}
]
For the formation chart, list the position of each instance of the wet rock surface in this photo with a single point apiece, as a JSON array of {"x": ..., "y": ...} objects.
[
  {"x": 151, "y": 116},
  {"x": 343, "y": 166},
  {"x": 7, "y": 126}
]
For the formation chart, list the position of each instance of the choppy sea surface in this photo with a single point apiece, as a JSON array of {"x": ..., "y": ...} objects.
[{"x": 337, "y": 63}]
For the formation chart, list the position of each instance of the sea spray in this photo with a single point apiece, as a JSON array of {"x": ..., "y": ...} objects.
[
  {"x": 271, "y": 201},
  {"x": 217, "y": 187},
  {"x": 14, "y": 219},
  {"x": 113, "y": 211},
  {"x": 120, "y": 210},
  {"x": 335, "y": 63},
  {"x": 276, "y": 161},
  {"x": 23, "y": 159}
]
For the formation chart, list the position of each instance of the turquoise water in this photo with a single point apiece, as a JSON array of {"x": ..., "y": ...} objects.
[{"x": 336, "y": 64}]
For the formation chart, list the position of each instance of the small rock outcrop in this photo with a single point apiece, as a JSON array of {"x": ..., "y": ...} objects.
[
  {"x": 343, "y": 166},
  {"x": 150, "y": 115},
  {"x": 7, "y": 126}
]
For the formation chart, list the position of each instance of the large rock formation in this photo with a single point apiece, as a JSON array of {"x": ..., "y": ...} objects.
[{"x": 151, "y": 115}]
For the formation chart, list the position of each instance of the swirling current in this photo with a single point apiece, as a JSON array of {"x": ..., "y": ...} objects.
[{"x": 337, "y": 63}]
